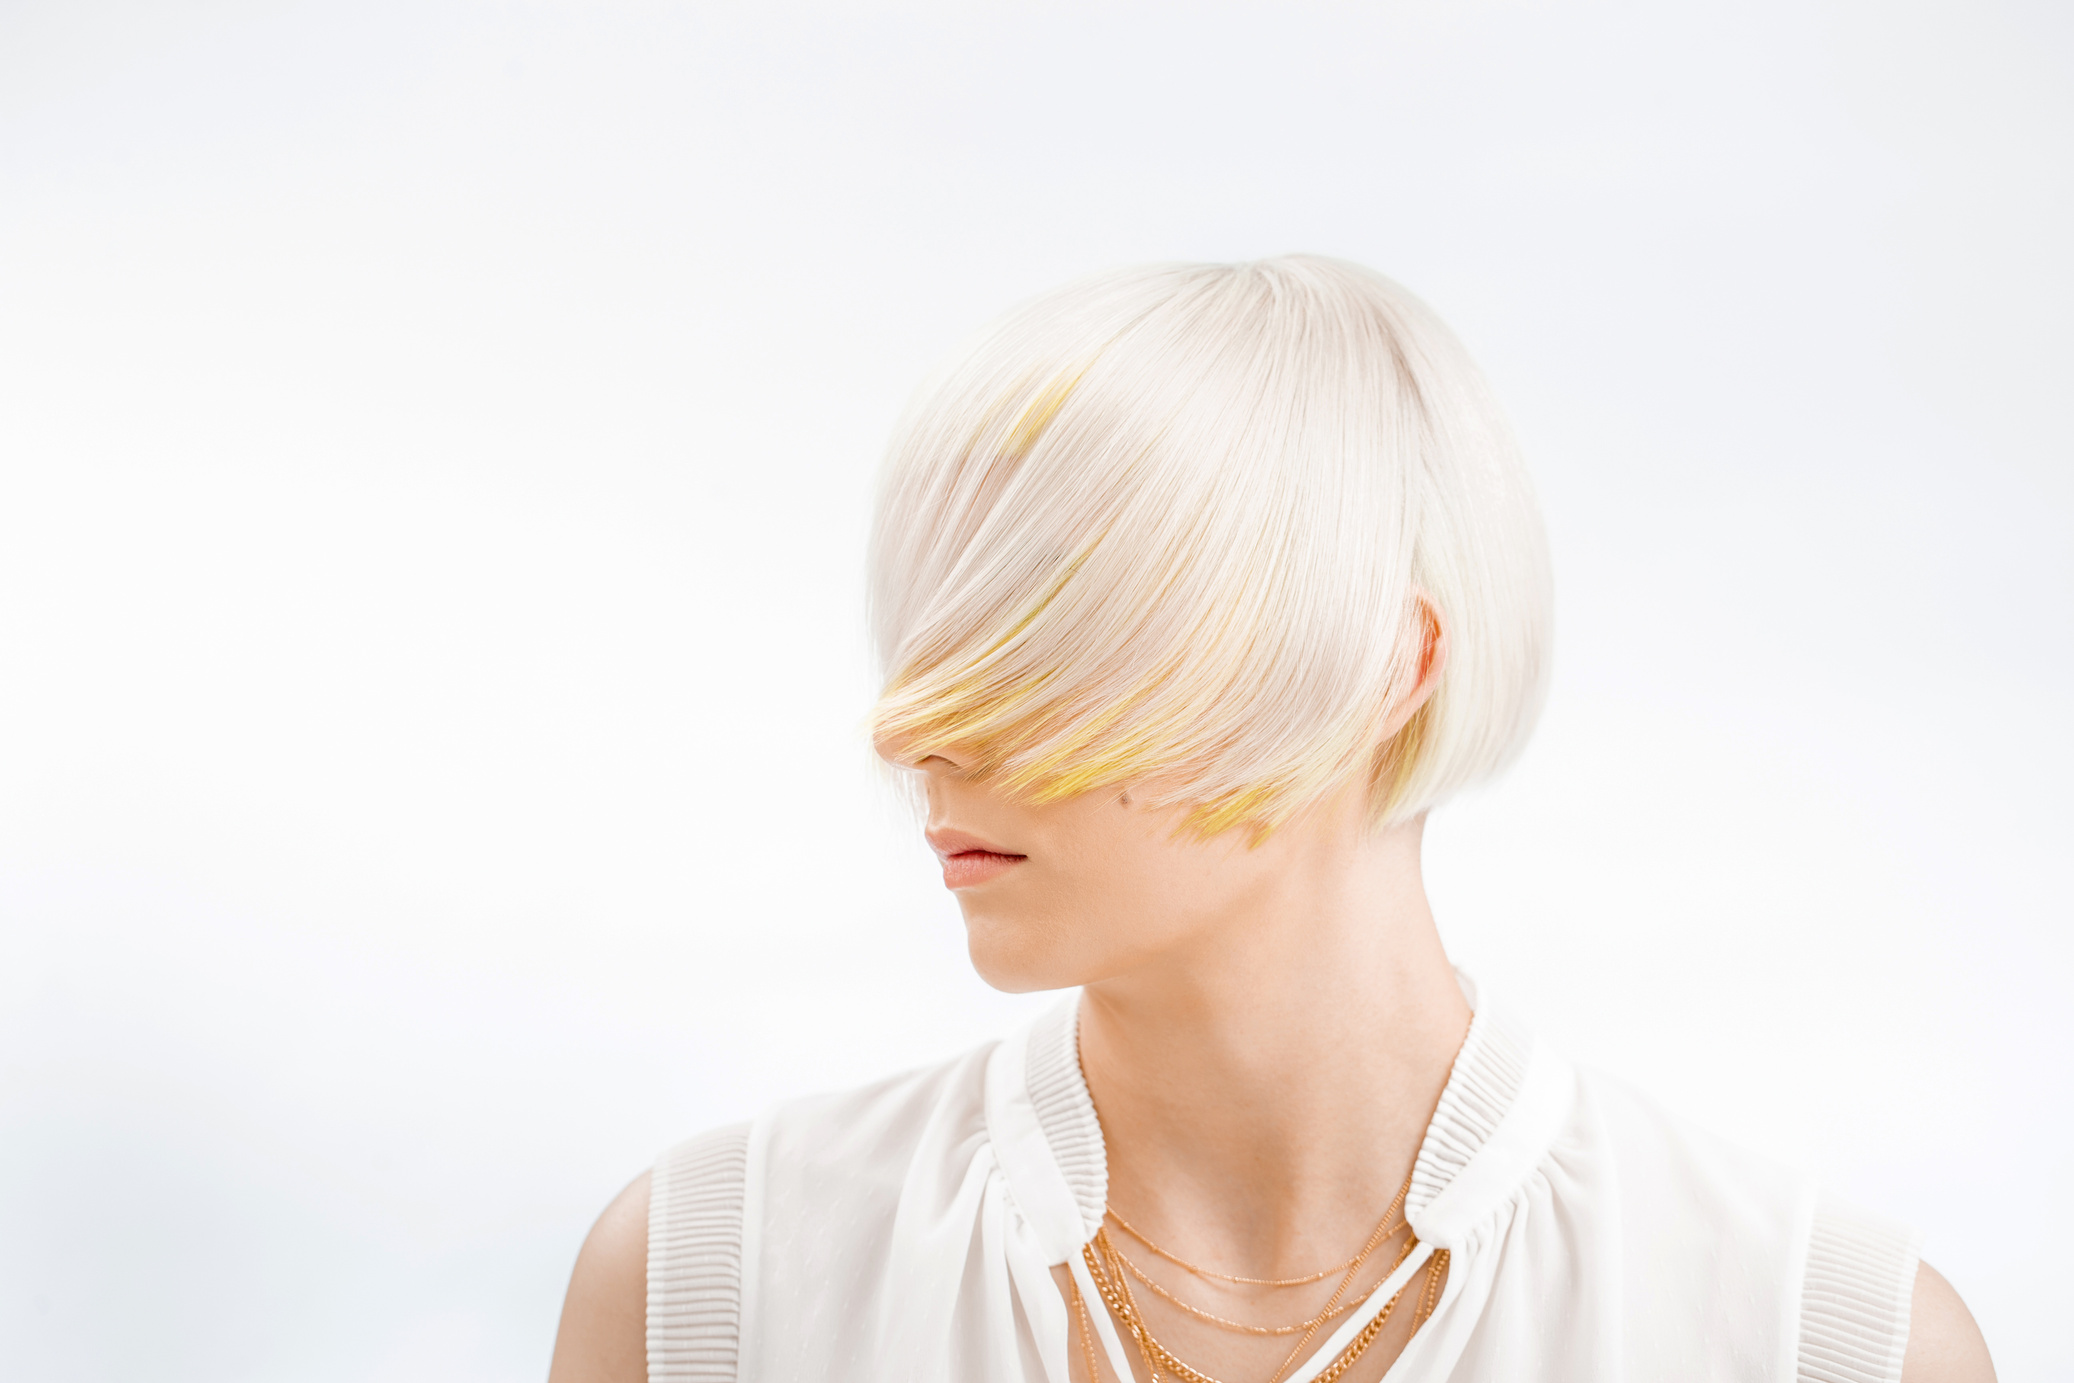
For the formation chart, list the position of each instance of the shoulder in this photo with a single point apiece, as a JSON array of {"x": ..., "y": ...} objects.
[
  {"x": 661, "y": 1268},
  {"x": 809, "y": 1191},
  {"x": 894, "y": 1101},
  {"x": 1695, "y": 1206},
  {"x": 1704, "y": 1239},
  {"x": 1681, "y": 1176},
  {"x": 603, "y": 1334},
  {"x": 1944, "y": 1343},
  {"x": 869, "y": 1135}
]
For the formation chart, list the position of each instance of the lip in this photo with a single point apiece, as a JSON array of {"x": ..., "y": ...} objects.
[
  {"x": 968, "y": 859},
  {"x": 947, "y": 842}
]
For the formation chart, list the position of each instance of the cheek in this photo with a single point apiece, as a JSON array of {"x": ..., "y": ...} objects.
[{"x": 1134, "y": 859}]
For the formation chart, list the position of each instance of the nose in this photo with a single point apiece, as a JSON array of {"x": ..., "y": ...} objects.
[{"x": 902, "y": 754}]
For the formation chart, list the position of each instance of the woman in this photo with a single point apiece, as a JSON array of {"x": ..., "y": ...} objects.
[{"x": 1196, "y": 587}]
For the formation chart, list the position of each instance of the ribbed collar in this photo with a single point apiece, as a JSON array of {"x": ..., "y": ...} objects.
[{"x": 1505, "y": 1098}]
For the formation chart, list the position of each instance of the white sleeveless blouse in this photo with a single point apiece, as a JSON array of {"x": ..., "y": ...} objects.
[{"x": 906, "y": 1231}]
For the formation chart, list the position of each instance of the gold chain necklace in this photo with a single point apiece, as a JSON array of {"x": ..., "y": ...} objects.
[
  {"x": 1351, "y": 1268},
  {"x": 1239, "y": 1327},
  {"x": 1116, "y": 1292},
  {"x": 1087, "y": 1335},
  {"x": 1396, "y": 1203},
  {"x": 1111, "y": 1271},
  {"x": 1116, "y": 1295},
  {"x": 1181, "y": 1262},
  {"x": 1361, "y": 1341}
]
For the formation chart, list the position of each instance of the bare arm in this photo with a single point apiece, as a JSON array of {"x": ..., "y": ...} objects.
[
  {"x": 604, "y": 1332},
  {"x": 1944, "y": 1345}
]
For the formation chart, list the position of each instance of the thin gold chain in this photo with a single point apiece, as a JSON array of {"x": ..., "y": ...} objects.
[
  {"x": 1411, "y": 1241},
  {"x": 1148, "y": 1348},
  {"x": 1181, "y": 1262},
  {"x": 1322, "y": 1273},
  {"x": 1087, "y": 1334},
  {"x": 1360, "y": 1343},
  {"x": 1131, "y": 1298},
  {"x": 1113, "y": 1271},
  {"x": 1240, "y": 1326},
  {"x": 1116, "y": 1294},
  {"x": 1436, "y": 1274},
  {"x": 1151, "y": 1349},
  {"x": 1114, "y": 1287}
]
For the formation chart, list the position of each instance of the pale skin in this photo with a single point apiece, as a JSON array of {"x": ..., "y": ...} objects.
[{"x": 1265, "y": 1029}]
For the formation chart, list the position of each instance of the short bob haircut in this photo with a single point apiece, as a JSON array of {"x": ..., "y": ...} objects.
[{"x": 1169, "y": 528}]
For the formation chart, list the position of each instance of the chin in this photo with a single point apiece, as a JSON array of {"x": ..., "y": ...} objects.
[{"x": 1018, "y": 956}]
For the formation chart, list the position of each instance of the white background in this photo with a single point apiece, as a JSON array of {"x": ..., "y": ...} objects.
[{"x": 435, "y": 443}]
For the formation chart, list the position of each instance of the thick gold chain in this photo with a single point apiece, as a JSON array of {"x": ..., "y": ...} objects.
[{"x": 1361, "y": 1342}]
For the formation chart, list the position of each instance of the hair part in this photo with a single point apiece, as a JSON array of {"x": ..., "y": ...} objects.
[{"x": 1169, "y": 526}]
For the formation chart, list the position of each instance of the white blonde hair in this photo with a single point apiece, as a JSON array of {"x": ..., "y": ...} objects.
[{"x": 1168, "y": 527}]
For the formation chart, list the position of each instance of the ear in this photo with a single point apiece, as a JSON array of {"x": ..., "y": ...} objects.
[{"x": 1432, "y": 661}]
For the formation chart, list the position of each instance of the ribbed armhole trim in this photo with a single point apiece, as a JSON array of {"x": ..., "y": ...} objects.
[
  {"x": 1487, "y": 1076},
  {"x": 695, "y": 1258},
  {"x": 1066, "y": 1112},
  {"x": 1855, "y": 1298}
]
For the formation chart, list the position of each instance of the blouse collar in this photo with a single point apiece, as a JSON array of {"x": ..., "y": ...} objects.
[{"x": 1505, "y": 1098}]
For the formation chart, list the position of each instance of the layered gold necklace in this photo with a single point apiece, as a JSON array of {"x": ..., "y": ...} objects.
[{"x": 1112, "y": 1271}]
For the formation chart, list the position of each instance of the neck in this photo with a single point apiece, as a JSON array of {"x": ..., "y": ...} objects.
[{"x": 1263, "y": 1090}]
